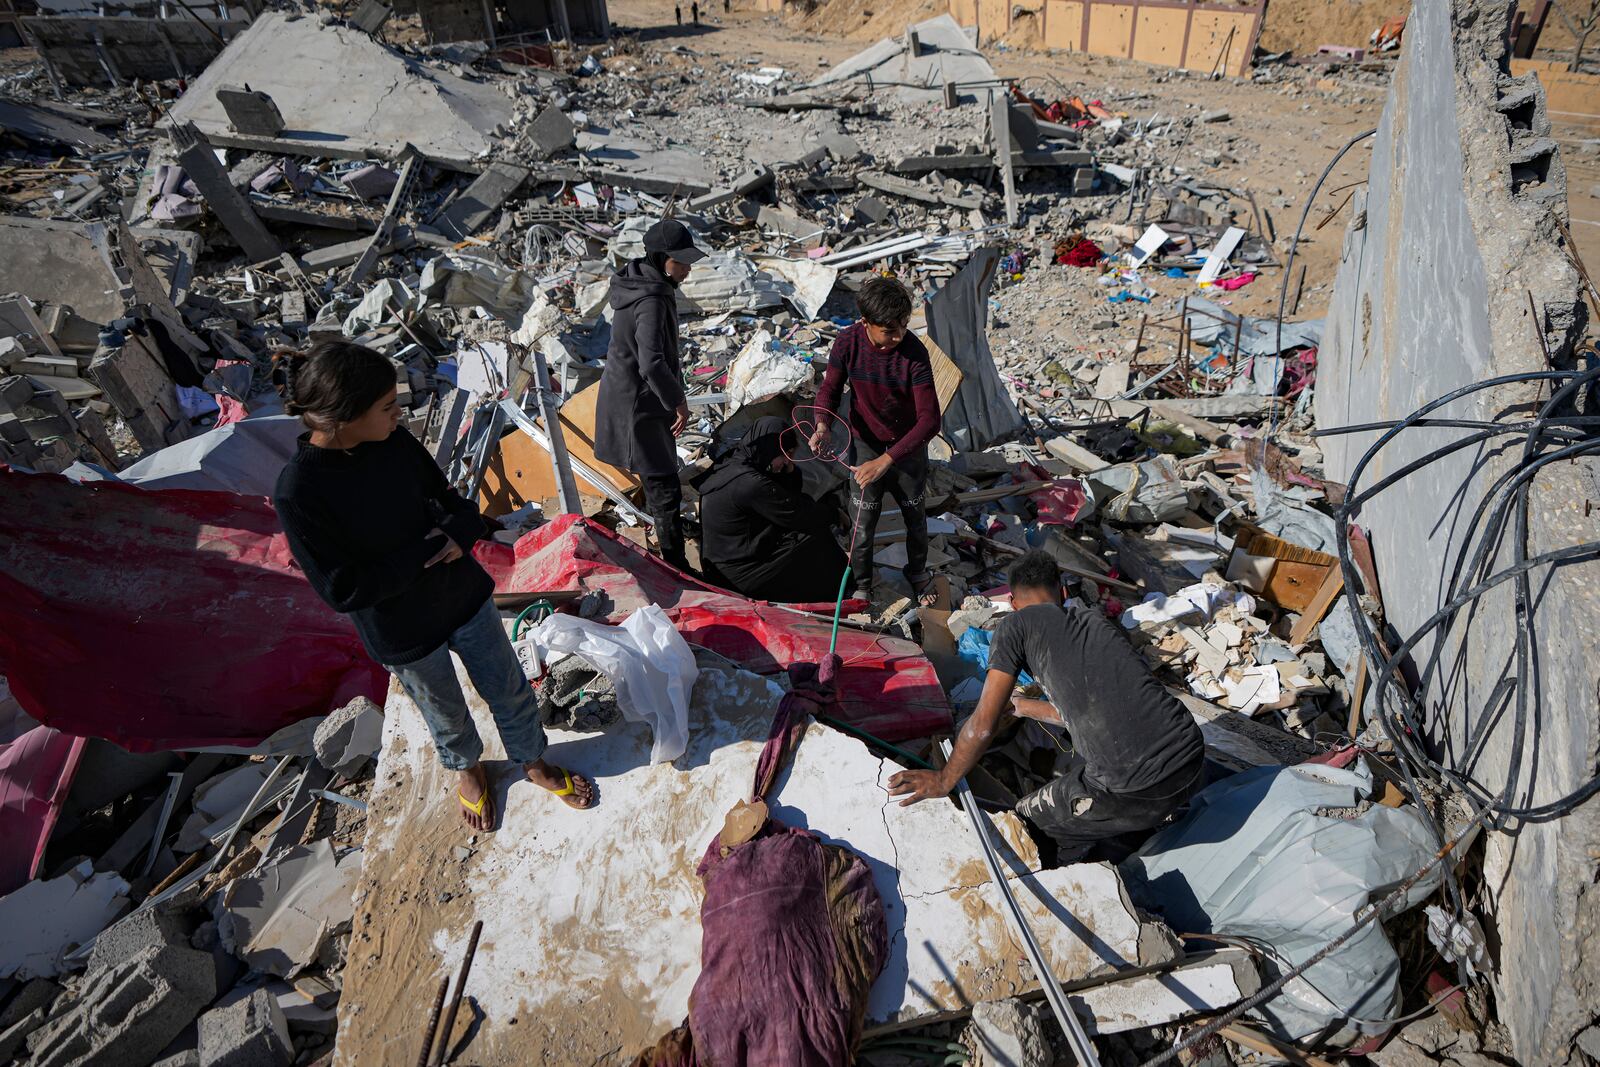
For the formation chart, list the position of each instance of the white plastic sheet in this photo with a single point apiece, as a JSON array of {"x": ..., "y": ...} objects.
[
  {"x": 646, "y": 659},
  {"x": 1288, "y": 857},
  {"x": 1198, "y": 601},
  {"x": 763, "y": 369}
]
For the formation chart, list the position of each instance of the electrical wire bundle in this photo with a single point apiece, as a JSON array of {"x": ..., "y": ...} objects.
[
  {"x": 1560, "y": 431},
  {"x": 1498, "y": 527}
]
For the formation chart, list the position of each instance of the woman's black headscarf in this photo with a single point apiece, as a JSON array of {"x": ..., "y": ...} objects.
[{"x": 756, "y": 450}]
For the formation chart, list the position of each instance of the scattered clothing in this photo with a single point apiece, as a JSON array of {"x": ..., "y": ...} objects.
[
  {"x": 893, "y": 405},
  {"x": 357, "y": 522},
  {"x": 496, "y": 674},
  {"x": 793, "y": 929},
  {"x": 761, "y": 536},
  {"x": 1238, "y": 281},
  {"x": 1080, "y": 253}
]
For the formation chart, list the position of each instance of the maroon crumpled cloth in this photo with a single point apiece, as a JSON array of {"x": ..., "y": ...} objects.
[{"x": 793, "y": 931}]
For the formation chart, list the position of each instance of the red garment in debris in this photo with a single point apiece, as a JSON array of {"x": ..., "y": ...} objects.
[
  {"x": 36, "y": 771},
  {"x": 793, "y": 932},
  {"x": 1085, "y": 253},
  {"x": 176, "y": 618}
]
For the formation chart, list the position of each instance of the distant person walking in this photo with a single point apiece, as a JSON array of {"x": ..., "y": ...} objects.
[
  {"x": 694, "y": 9},
  {"x": 642, "y": 404},
  {"x": 383, "y": 538},
  {"x": 677, "y": 13}
]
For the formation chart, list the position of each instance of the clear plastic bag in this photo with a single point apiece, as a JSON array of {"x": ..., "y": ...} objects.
[{"x": 647, "y": 660}]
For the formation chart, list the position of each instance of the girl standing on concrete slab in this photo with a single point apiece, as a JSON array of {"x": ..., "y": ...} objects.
[{"x": 384, "y": 539}]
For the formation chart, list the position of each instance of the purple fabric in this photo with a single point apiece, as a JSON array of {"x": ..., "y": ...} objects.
[{"x": 793, "y": 931}]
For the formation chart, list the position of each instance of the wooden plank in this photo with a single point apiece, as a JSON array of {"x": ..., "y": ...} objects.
[
  {"x": 1326, "y": 593},
  {"x": 1257, "y": 1041},
  {"x": 947, "y": 377},
  {"x": 520, "y": 472}
]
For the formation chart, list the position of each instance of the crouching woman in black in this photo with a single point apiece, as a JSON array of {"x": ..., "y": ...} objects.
[
  {"x": 760, "y": 535},
  {"x": 383, "y": 538}
]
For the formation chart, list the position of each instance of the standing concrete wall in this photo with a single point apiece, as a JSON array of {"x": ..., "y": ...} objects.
[{"x": 1453, "y": 271}]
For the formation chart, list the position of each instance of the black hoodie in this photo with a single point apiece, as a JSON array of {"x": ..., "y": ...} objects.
[
  {"x": 643, "y": 381},
  {"x": 760, "y": 534}
]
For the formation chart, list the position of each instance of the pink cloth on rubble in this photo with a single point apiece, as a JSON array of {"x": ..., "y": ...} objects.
[{"x": 793, "y": 932}]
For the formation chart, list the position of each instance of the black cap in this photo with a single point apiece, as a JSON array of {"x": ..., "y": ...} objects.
[{"x": 673, "y": 238}]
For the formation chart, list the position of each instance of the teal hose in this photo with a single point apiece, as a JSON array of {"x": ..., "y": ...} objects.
[{"x": 838, "y": 606}]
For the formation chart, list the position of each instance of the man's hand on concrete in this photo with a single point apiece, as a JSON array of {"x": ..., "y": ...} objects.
[
  {"x": 872, "y": 470},
  {"x": 917, "y": 785},
  {"x": 681, "y": 419}
]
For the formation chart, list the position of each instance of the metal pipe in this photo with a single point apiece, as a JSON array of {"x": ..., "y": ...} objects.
[
  {"x": 455, "y": 1001},
  {"x": 1081, "y": 1048}
]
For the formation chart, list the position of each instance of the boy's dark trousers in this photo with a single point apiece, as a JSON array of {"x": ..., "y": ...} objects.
[{"x": 907, "y": 482}]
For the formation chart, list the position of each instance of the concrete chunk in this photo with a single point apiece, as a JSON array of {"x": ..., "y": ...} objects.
[
  {"x": 127, "y": 1013},
  {"x": 350, "y": 736},
  {"x": 551, "y": 132},
  {"x": 45, "y": 919},
  {"x": 1009, "y": 1033},
  {"x": 250, "y": 1032},
  {"x": 151, "y": 928},
  {"x": 250, "y": 112}
]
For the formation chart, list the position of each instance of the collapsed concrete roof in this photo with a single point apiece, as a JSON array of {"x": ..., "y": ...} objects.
[
  {"x": 591, "y": 935},
  {"x": 345, "y": 95},
  {"x": 944, "y": 54}
]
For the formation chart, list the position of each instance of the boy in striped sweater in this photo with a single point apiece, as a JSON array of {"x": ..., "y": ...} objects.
[{"x": 894, "y": 413}]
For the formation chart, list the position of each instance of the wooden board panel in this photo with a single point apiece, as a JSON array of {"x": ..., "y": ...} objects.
[
  {"x": 520, "y": 472},
  {"x": 1063, "y": 25},
  {"x": 994, "y": 18},
  {"x": 1159, "y": 38},
  {"x": 1569, "y": 97},
  {"x": 947, "y": 376},
  {"x": 1208, "y": 34},
  {"x": 1110, "y": 29}
]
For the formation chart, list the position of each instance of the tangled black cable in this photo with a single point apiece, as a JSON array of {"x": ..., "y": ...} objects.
[
  {"x": 1556, "y": 423},
  {"x": 1557, "y": 433}
]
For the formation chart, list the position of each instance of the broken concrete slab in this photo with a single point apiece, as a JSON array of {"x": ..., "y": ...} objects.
[
  {"x": 153, "y": 927},
  {"x": 927, "y": 194},
  {"x": 231, "y": 208},
  {"x": 246, "y": 1031},
  {"x": 345, "y": 95},
  {"x": 371, "y": 181},
  {"x": 349, "y": 737},
  {"x": 591, "y": 927},
  {"x": 49, "y": 917},
  {"x": 34, "y": 123},
  {"x": 551, "y": 132},
  {"x": 128, "y": 1012},
  {"x": 277, "y": 918},
  {"x": 1010, "y": 1033},
  {"x": 944, "y": 53},
  {"x": 481, "y": 200}
]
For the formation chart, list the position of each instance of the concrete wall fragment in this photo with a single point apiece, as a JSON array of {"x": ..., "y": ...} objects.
[{"x": 1455, "y": 269}]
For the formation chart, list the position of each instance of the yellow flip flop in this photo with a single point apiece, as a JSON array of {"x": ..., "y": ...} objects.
[
  {"x": 479, "y": 807},
  {"x": 567, "y": 789}
]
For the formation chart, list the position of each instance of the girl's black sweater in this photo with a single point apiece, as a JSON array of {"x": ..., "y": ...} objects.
[{"x": 357, "y": 521}]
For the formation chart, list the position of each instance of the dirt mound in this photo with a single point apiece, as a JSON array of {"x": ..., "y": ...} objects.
[
  {"x": 867, "y": 19},
  {"x": 1299, "y": 26}
]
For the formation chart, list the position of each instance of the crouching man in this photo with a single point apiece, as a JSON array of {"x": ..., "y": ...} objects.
[{"x": 1137, "y": 753}]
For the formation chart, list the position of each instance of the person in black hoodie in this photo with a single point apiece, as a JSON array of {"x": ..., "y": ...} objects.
[
  {"x": 760, "y": 535},
  {"x": 642, "y": 405},
  {"x": 383, "y": 538}
]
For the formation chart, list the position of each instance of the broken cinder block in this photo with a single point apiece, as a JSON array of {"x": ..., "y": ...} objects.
[{"x": 250, "y": 112}]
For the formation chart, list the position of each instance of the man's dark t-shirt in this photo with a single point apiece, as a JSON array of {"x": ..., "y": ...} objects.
[{"x": 1132, "y": 734}]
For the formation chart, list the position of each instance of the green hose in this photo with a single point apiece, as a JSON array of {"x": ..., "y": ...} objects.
[
  {"x": 838, "y": 606},
  {"x": 537, "y": 605}
]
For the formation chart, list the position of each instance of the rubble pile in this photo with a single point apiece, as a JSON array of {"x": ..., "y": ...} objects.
[{"x": 164, "y": 240}]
